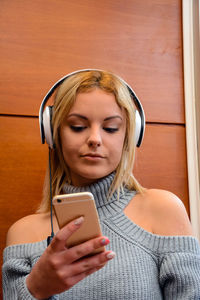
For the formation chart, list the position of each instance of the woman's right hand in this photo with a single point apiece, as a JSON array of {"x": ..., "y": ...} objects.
[{"x": 59, "y": 268}]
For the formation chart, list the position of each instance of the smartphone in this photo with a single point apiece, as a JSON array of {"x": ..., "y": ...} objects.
[{"x": 68, "y": 207}]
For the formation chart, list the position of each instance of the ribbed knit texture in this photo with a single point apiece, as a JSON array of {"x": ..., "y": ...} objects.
[{"x": 146, "y": 266}]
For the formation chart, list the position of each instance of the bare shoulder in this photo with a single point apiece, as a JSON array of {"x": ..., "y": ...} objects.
[
  {"x": 29, "y": 229},
  {"x": 168, "y": 213}
]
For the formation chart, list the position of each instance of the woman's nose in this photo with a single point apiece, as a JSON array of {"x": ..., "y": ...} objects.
[{"x": 94, "y": 139}]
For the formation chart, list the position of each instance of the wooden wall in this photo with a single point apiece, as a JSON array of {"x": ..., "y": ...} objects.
[{"x": 42, "y": 41}]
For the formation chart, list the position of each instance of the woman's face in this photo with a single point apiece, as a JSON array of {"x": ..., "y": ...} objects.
[{"x": 92, "y": 136}]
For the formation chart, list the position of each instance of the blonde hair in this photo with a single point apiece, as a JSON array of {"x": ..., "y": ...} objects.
[{"x": 83, "y": 82}]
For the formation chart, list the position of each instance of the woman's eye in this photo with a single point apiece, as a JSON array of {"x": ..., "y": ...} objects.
[
  {"x": 77, "y": 128},
  {"x": 110, "y": 129}
]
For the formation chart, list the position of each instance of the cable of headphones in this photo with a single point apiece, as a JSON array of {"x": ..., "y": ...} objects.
[{"x": 49, "y": 238}]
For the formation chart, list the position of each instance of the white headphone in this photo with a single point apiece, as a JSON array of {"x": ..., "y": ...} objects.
[{"x": 45, "y": 113}]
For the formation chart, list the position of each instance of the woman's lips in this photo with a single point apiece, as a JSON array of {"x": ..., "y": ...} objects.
[{"x": 92, "y": 156}]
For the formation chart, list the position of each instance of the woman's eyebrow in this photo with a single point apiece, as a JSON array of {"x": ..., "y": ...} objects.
[
  {"x": 85, "y": 118},
  {"x": 77, "y": 115},
  {"x": 113, "y": 117}
]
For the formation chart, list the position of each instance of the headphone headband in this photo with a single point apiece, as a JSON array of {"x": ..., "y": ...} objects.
[{"x": 60, "y": 81}]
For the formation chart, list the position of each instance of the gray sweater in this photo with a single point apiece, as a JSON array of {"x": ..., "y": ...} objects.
[{"x": 146, "y": 266}]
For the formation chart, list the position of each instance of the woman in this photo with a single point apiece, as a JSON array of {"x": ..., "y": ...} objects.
[{"x": 147, "y": 233}]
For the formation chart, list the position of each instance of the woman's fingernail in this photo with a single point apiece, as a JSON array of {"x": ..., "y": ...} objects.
[
  {"x": 105, "y": 241},
  {"x": 111, "y": 255},
  {"x": 78, "y": 221}
]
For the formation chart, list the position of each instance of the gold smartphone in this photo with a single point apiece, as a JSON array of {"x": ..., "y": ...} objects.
[{"x": 68, "y": 207}]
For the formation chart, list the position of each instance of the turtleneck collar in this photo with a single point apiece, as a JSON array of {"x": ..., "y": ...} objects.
[{"x": 100, "y": 190}]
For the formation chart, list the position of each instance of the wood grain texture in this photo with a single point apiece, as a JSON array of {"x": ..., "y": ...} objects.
[
  {"x": 161, "y": 161},
  {"x": 23, "y": 161},
  {"x": 140, "y": 40}
]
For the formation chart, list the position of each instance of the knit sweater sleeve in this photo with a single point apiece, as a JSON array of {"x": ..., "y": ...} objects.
[
  {"x": 18, "y": 262},
  {"x": 180, "y": 271}
]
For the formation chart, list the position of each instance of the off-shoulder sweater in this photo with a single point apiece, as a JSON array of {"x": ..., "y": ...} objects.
[{"x": 146, "y": 266}]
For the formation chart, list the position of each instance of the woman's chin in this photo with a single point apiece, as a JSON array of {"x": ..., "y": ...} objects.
[{"x": 85, "y": 179}]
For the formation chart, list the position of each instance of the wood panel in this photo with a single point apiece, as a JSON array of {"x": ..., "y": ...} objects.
[
  {"x": 23, "y": 161},
  {"x": 140, "y": 40},
  {"x": 160, "y": 163}
]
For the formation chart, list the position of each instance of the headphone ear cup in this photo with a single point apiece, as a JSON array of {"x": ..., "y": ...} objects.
[
  {"x": 48, "y": 130},
  {"x": 138, "y": 124}
]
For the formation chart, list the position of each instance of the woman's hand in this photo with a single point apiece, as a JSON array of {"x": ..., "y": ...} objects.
[{"x": 59, "y": 268}]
